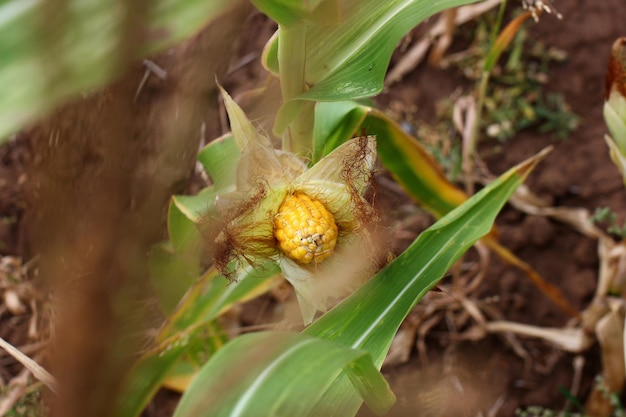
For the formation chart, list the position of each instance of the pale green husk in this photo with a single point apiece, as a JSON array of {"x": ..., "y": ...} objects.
[
  {"x": 619, "y": 159},
  {"x": 615, "y": 117}
]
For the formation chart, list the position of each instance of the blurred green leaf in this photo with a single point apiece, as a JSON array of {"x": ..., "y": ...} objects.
[
  {"x": 199, "y": 350},
  {"x": 289, "y": 12},
  {"x": 220, "y": 158},
  {"x": 172, "y": 273},
  {"x": 191, "y": 330},
  {"x": 144, "y": 378},
  {"x": 175, "y": 265},
  {"x": 179, "y": 376},
  {"x": 173, "y": 20},
  {"x": 52, "y": 50},
  {"x": 227, "y": 387},
  {"x": 213, "y": 294},
  {"x": 185, "y": 212}
]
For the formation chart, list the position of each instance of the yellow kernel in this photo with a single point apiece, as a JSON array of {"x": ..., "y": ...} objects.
[
  {"x": 305, "y": 230},
  {"x": 298, "y": 252}
]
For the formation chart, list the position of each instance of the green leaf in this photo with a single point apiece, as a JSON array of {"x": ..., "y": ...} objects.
[
  {"x": 220, "y": 158},
  {"x": 175, "y": 265},
  {"x": 180, "y": 376},
  {"x": 213, "y": 294},
  {"x": 305, "y": 366},
  {"x": 349, "y": 60},
  {"x": 335, "y": 123},
  {"x": 171, "y": 273},
  {"x": 619, "y": 159},
  {"x": 144, "y": 378},
  {"x": 212, "y": 338},
  {"x": 412, "y": 166},
  {"x": 419, "y": 174},
  {"x": 614, "y": 111},
  {"x": 185, "y": 212},
  {"x": 191, "y": 330},
  {"x": 394, "y": 291},
  {"x": 53, "y": 50},
  {"x": 369, "y": 318},
  {"x": 175, "y": 20},
  {"x": 405, "y": 158}
]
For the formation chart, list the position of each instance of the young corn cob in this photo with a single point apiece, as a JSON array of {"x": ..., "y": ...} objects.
[
  {"x": 306, "y": 231},
  {"x": 284, "y": 211}
]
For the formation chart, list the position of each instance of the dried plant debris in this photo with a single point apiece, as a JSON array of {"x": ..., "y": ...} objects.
[
  {"x": 20, "y": 395},
  {"x": 537, "y": 7}
]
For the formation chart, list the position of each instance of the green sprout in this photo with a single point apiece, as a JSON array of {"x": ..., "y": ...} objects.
[
  {"x": 28, "y": 405},
  {"x": 606, "y": 216},
  {"x": 516, "y": 97}
]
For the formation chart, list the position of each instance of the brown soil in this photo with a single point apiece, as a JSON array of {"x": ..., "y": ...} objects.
[{"x": 578, "y": 173}]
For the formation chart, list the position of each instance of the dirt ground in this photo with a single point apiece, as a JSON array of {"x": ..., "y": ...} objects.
[{"x": 465, "y": 377}]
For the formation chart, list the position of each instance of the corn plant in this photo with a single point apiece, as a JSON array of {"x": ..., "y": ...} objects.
[
  {"x": 307, "y": 220},
  {"x": 299, "y": 212}
]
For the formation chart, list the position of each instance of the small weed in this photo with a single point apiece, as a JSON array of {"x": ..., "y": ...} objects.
[
  {"x": 613, "y": 397},
  {"x": 517, "y": 97},
  {"x": 608, "y": 218},
  {"x": 536, "y": 411},
  {"x": 30, "y": 405}
]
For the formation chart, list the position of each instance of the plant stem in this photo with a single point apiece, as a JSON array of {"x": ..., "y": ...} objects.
[
  {"x": 470, "y": 148},
  {"x": 298, "y": 137}
]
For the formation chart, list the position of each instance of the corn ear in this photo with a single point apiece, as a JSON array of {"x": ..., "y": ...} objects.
[
  {"x": 282, "y": 211},
  {"x": 306, "y": 231}
]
